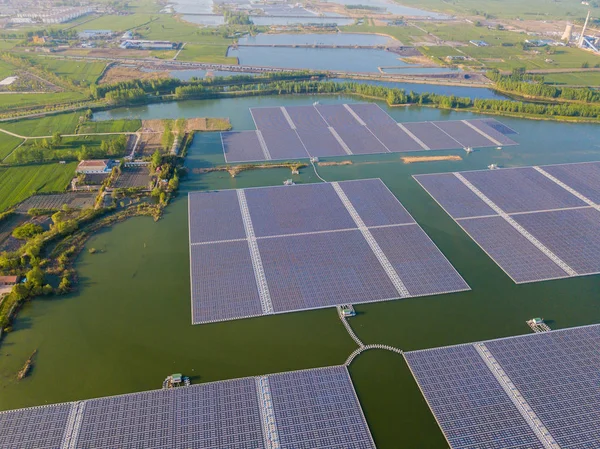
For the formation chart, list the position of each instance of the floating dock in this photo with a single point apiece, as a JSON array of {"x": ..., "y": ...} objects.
[{"x": 537, "y": 325}]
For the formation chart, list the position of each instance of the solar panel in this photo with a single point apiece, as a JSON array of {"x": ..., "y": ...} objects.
[
  {"x": 498, "y": 126},
  {"x": 495, "y": 131},
  {"x": 337, "y": 116},
  {"x": 320, "y": 142},
  {"x": 307, "y": 246},
  {"x": 360, "y": 140},
  {"x": 283, "y": 144},
  {"x": 215, "y": 216},
  {"x": 584, "y": 177},
  {"x": 464, "y": 134},
  {"x": 322, "y": 270},
  {"x": 469, "y": 404},
  {"x": 318, "y": 409},
  {"x": 223, "y": 282},
  {"x": 432, "y": 136},
  {"x": 303, "y": 208},
  {"x": 454, "y": 197},
  {"x": 242, "y": 146},
  {"x": 516, "y": 255},
  {"x": 269, "y": 119},
  {"x": 34, "y": 428},
  {"x": 306, "y": 118},
  {"x": 419, "y": 263},
  {"x": 573, "y": 235},
  {"x": 372, "y": 114},
  {"x": 521, "y": 190},
  {"x": 374, "y": 201},
  {"x": 219, "y": 415}
]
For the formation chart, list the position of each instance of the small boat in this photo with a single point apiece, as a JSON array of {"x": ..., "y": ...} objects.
[
  {"x": 288, "y": 182},
  {"x": 493, "y": 166},
  {"x": 468, "y": 149}
]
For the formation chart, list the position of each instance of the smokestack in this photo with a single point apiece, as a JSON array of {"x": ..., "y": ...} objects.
[
  {"x": 582, "y": 37},
  {"x": 568, "y": 34}
]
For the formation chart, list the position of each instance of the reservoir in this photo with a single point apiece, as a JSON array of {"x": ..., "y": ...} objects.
[{"x": 129, "y": 324}]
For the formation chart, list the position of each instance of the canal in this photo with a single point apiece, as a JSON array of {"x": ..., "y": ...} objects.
[{"x": 129, "y": 324}]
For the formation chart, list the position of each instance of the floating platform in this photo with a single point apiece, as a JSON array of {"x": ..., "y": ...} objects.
[{"x": 537, "y": 325}]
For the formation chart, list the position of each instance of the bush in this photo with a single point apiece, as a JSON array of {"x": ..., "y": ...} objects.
[{"x": 27, "y": 231}]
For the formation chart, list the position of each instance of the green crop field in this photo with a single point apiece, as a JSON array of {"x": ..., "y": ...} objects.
[
  {"x": 116, "y": 23},
  {"x": 206, "y": 53},
  {"x": 511, "y": 9},
  {"x": 110, "y": 126},
  {"x": 574, "y": 78},
  {"x": 19, "y": 183},
  {"x": 6, "y": 69},
  {"x": 44, "y": 126},
  {"x": 405, "y": 34},
  {"x": 17, "y": 101},
  {"x": 7, "y": 144},
  {"x": 78, "y": 71}
]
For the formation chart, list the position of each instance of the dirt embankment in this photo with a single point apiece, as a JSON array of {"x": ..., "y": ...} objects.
[{"x": 413, "y": 159}]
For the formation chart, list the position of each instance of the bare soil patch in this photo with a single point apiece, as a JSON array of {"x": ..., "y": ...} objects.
[{"x": 119, "y": 73}]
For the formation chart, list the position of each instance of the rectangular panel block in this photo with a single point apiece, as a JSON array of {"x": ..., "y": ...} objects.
[
  {"x": 372, "y": 114},
  {"x": 306, "y": 118},
  {"x": 469, "y": 404},
  {"x": 283, "y": 144},
  {"x": 420, "y": 264},
  {"x": 223, "y": 282},
  {"x": 521, "y": 190},
  {"x": 320, "y": 142},
  {"x": 321, "y": 270},
  {"x": 215, "y": 216},
  {"x": 558, "y": 374},
  {"x": 516, "y": 255},
  {"x": 454, "y": 197},
  {"x": 219, "y": 415},
  {"x": 493, "y": 131},
  {"x": 34, "y": 428},
  {"x": 360, "y": 140},
  {"x": 337, "y": 116},
  {"x": 269, "y": 119},
  {"x": 573, "y": 235},
  {"x": 464, "y": 134},
  {"x": 498, "y": 126},
  {"x": 242, "y": 146},
  {"x": 584, "y": 178},
  {"x": 374, "y": 202},
  {"x": 432, "y": 136},
  {"x": 302, "y": 208},
  {"x": 318, "y": 409},
  {"x": 129, "y": 421}
]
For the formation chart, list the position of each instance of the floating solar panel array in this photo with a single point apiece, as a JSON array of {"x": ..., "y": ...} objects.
[
  {"x": 536, "y": 223},
  {"x": 281, "y": 249},
  {"x": 342, "y": 129},
  {"x": 537, "y": 391},
  {"x": 302, "y": 409}
]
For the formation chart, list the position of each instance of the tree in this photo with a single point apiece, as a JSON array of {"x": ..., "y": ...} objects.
[
  {"x": 56, "y": 139},
  {"x": 27, "y": 231},
  {"x": 35, "y": 277},
  {"x": 156, "y": 160}
]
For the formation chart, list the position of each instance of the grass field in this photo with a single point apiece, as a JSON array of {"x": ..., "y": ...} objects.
[
  {"x": 511, "y": 9},
  {"x": 6, "y": 69},
  {"x": 77, "y": 71},
  {"x": 405, "y": 34},
  {"x": 17, "y": 101},
  {"x": 574, "y": 78},
  {"x": 206, "y": 53},
  {"x": 7, "y": 144},
  {"x": 110, "y": 126},
  {"x": 19, "y": 183},
  {"x": 44, "y": 126},
  {"x": 116, "y": 23}
]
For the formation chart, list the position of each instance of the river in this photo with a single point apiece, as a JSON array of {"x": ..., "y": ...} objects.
[{"x": 128, "y": 325}]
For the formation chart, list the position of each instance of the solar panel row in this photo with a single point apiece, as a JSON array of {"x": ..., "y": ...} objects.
[
  {"x": 337, "y": 130},
  {"x": 311, "y": 253},
  {"x": 552, "y": 205},
  {"x": 555, "y": 373},
  {"x": 314, "y": 408}
]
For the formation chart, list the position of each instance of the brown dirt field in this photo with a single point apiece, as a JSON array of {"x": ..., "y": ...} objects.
[
  {"x": 149, "y": 143},
  {"x": 120, "y": 73},
  {"x": 191, "y": 124}
]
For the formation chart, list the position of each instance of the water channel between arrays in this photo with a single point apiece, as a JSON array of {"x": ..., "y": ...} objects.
[{"x": 129, "y": 324}]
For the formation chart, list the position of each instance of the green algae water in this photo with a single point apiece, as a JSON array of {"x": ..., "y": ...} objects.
[{"x": 129, "y": 324}]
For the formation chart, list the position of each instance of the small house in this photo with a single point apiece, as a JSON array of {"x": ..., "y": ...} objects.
[
  {"x": 95, "y": 166},
  {"x": 6, "y": 281}
]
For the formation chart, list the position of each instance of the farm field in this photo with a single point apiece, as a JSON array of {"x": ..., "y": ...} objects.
[
  {"x": 7, "y": 144},
  {"x": 6, "y": 69},
  {"x": 19, "y": 183},
  {"x": 56, "y": 201},
  {"x": 82, "y": 73},
  {"x": 573, "y": 78},
  {"x": 509, "y": 9},
  {"x": 110, "y": 126},
  {"x": 44, "y": 126},
  {"x": 206, "y": 53},
  {"x": 132, "y": 177},
  {"x": 405, "y": 34},
  {"x": 20, "y": 101},
  {"x": 116, "y": 23}
]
